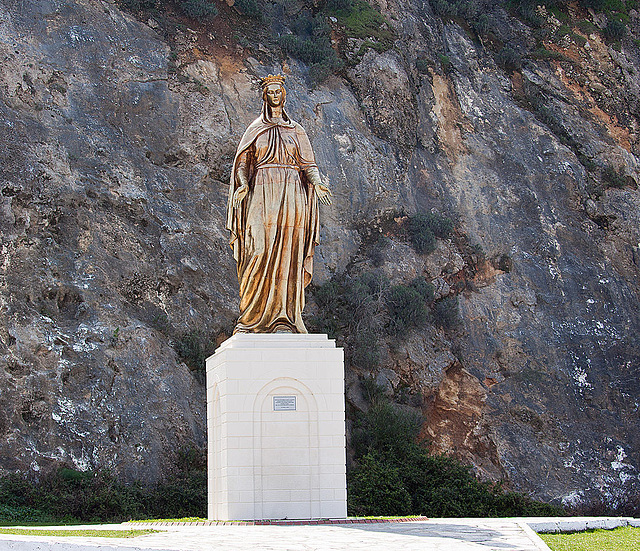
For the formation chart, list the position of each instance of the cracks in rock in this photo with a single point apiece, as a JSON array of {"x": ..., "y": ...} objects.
[{"x": 146, "y": 81}]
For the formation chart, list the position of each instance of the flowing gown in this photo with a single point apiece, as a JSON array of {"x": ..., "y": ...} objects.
[{"x": 275, "y": 230}]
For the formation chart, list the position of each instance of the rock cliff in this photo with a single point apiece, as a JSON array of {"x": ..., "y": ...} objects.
[{"x": 117, "y": 135}]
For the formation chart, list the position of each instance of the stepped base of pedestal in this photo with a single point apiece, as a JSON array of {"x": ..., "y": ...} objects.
[{"x": 275, "y": 416}]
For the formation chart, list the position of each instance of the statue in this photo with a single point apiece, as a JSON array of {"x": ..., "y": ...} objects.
[{"x": 272, "y": 215}]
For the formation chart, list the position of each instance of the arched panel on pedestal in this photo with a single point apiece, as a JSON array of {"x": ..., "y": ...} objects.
[{"x": 286, "y": 451}]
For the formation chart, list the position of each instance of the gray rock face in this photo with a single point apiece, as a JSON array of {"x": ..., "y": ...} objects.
[{"x": 113, "y": 187}]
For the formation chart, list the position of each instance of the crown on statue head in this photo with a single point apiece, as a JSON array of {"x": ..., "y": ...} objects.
[{"x": 272, "y": 79}]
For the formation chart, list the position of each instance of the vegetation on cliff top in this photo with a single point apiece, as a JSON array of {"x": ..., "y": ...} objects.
[{"x": 316, "y": 33}]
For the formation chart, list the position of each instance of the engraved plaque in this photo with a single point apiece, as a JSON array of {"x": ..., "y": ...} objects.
[{"x": 284, "y": 403}]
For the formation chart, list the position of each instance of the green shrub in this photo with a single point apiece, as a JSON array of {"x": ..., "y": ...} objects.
[
  {"x": 306, "y": 49},
  {"x": 199, "y": 9},
  {"x": 319, "y": 72},
  {"x": 444, "y": 8},
  {"x": 193, "y": 348},
  {"x": 334, "y": 6},
  {"x": 509, "y": 59},
  {"x": 587, "y": 27},
  {"x": 375, "y": 488},
  {"x": 303, "y": 24},
  {"x": 421, "y": 236},
  {"x": 250, "y": 8},
  {"x": 406, "y": 309},
  {"x": 347, "y": 303},
  {"x": 615, "y": 30},
  {"x": 482, "y": 25},
  {"x": 315, "y": 51},
  {"x": 559, "y": 14},
  {"x": 445, "y": 63},
  {"x": 527, "y": 11},
  {"x": 363, "y": 21},
  {"x": 68, "y": 495},
  {"x": 445, "y": 312},
  {"x": 424, "y": 288},
  {"x": 606, "y": 6},
  {"x": 467, "y": 9},
  {"x": 578, "y": 39},
  {"x": 596, "y": 5},
  {"x": 183, "y": 496},
  {"x": 23, "y": 515},
  {"x": 363, "y": 349},
  {"x": 384, "y": 428},
  {"x": 613, "y": 178},
  {"x": 137, "y": 5},
  {"x": 441, "y": 226},
  {"x": 423, "y": 228}
]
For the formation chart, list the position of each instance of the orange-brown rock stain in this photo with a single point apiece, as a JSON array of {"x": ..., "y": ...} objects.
[
  {"x": 454, "y": 419},
  {"x": 449, "y": 117},
  {"x": 590, "y": 62}
]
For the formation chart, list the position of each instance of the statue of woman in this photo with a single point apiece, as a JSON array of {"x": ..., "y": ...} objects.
[{"x": 273, "y": 217}]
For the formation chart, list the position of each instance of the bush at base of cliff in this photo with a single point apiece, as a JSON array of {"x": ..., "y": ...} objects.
[
  {"x": 67, "y": 495},
  {"x": 391, "y": 464},
  {"x": 375, "y": 488}
]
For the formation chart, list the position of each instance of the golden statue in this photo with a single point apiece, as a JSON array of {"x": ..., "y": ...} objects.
[{"x": 273, "y": 216}]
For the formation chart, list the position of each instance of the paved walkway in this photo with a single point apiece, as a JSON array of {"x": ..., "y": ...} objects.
[
  {"x": 423, "y": 535},
  {"x": 436, "y": 535}
]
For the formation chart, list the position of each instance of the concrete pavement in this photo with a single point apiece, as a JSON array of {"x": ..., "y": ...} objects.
[{"x": 433, "y": 535}]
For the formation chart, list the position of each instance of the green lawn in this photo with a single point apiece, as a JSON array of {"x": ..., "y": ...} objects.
[
  {"x": 183, "y": 519},
  {"x": 619, "y": 539},
  {"x": 83, "y": 533}
]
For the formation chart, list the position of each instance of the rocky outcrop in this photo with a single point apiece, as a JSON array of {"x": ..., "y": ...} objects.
[{"x": 116, "y": 144}]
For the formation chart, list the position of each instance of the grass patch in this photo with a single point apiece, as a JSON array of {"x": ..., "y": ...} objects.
[
  {"x": 361, "y": 20},
  {"x": 625, "y": 538},
  {"x": 183, "y": 519},
  {"x": 587, "y": 27},
  {"x": 78, "y": 533},
  {"x": 544, "y": 53}
]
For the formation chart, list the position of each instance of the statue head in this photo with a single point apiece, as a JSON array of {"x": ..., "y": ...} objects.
[{"x": 274, "y": 93}]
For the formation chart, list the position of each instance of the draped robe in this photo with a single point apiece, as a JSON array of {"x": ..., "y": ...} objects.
[{"x": 275, "y": 228}]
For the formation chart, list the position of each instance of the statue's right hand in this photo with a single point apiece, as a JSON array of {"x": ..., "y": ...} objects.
[{"x": 239, "y": 195}]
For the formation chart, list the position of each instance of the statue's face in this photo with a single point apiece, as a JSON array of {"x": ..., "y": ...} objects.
[{"x": 274, "y": 95}]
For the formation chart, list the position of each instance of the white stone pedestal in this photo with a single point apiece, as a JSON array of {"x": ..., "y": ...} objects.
[{"x": 275, "y": 416}]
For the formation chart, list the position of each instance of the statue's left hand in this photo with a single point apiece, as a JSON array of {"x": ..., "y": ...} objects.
[{"x": 324, "y": 194}]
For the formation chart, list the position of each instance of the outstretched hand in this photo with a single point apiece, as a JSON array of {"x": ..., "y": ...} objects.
[
  {"x": 324, "y": 194},
  {"x": 239, "y": 195}
]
